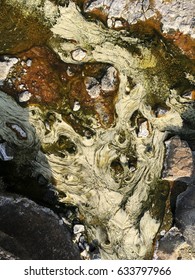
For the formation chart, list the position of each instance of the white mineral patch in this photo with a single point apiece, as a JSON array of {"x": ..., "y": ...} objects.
[
  {"x": 25, "y": 96},
  {"x": 79, "y": 54},
  {"x": 175, "y": 14}
]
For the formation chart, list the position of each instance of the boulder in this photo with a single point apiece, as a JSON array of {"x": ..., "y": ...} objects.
[{"x": 31, "y": 231}]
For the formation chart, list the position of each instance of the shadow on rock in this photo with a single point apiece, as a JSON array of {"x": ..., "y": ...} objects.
[{"x": 31, "y": 231}]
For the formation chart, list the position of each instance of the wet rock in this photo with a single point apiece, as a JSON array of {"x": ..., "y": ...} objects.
[
  {"x": 32, "y": 231},
  {"x": 185, "y": 214},
  {"x": 92, "y": 86},
  {"x": 109, "y": 81},
  {"x": 178, "y": 161}
]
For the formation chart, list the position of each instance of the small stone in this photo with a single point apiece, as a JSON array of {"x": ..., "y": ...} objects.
[
  {"x": 77, "y": 106},
  {"x": 79, "y": 54},
  {"x": 24, "y": 96},
  {"x": 143, "y": 130},
  {"x": 109, "y": 81},
  {"x": 179, "y": 160},
  {"x": 118, "y": 24},
  {"x": 92, "y": 86},
  {"x": 22, "y": 86},
  {"x": 29, "y": 62},
  {"x": 78, "y": 228},
  {"x": 110, "y": 23},
  {"x": 69, "y": 72},
  {"x": 160, "y": 112},
  {"x": 171, "y": 245}
]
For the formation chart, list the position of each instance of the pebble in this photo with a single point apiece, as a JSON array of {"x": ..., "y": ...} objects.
[
  {"x": 29, "y": 62},
  {"x": 24, "y": 96},
  {"x": 79, "y": 54},
  {"x": 78, "y": 228},
  {"x": 92, "y": 86},
  {"x": 160, "y": 112},
  {"x": 143, "y": 130},
  {"x": 69, "y": 72},
  {"x": 77, "y": 106},
  {"x": 109, "y": 81}
]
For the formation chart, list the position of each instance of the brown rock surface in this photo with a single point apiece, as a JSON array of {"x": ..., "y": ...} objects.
[{"x": 178, "y": 161}]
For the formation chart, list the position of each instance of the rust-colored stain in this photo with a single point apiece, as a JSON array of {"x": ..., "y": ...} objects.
[
  {"x": 34, "y": 73},
  {"x": 185, "y": 42},
  {"x": 51, "y": 83}
]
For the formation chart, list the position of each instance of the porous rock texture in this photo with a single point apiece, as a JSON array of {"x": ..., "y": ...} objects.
[{"x": 95, "y": 132}]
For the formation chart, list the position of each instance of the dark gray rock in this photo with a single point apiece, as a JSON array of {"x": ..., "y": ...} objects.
[
  {"x": 30, "y": 231},
  {"x": 185, "y": 214}
]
